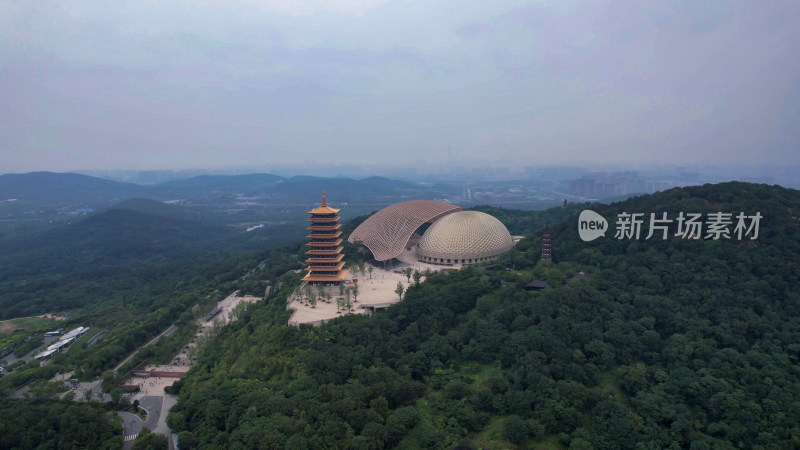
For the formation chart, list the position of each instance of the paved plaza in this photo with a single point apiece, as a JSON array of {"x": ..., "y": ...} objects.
[{"x": 376, "y": 291}]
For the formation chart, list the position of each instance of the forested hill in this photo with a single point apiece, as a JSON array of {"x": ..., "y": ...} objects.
[
  {"x": 53, "y": 190},
  {"x": 671, "y": 343},
  {"x": 48, "y": 188},
  {"x": 76, "y": 265},
  {"x": 158, "y": 208},
  {"x": 110, "y": 240}
]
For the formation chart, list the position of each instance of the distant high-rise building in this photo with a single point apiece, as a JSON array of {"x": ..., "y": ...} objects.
[
  {"x": 547, "y": 244},
  {"x": 325, "y": 257}
]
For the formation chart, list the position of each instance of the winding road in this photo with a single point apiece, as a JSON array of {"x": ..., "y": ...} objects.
[{"x": 132, "y": 424}]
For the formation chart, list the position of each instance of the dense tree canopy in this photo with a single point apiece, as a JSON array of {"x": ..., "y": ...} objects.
[
  {"x": 686, "y": 343},
  {"x": 63, "y": 425}
]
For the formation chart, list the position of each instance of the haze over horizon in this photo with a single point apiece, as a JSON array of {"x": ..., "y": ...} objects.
[{"x": 174, "y": 85}]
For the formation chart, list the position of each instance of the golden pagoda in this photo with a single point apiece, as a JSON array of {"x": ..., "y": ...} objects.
[{"x": 325, "y": 258}]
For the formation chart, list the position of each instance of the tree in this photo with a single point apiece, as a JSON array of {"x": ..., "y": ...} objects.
[
  {"x": 116, "y": 395},
  {"x": 355, "y": 293},
  {"x": 321, "y": 290},
  {"x": 515, "y": 429},
  {"x": 187, "y": 440},
  {"x": 407, "y": 272},
  {"x": 347, "y": 303},
  {"x": 297, "y": 293},
  {"x": 147, "y": 440},
  {"x": 309, "y": 292},
  {"x": 370, "y": 269},
  {"x": 399, "y": 290},
  {"x": 312, "y": 299},
  {"x": 417, "y": 277},
  {"x": 403, "y": 419}
]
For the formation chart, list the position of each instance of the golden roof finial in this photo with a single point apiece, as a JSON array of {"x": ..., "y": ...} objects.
[{"x": 323, "y": 198}]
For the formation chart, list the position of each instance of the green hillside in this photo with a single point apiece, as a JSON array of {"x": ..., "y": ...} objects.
[
  {"x": 115, "y": 253},
  {"x": 671, "y": 343},
  {"x": 158, "y": 208},
  {"x": 109, "y": 241}
]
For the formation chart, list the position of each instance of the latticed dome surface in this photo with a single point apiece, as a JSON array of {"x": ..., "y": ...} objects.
[
  {"x": 387, "y": 231},
  {"x": 464, "y": 237}
]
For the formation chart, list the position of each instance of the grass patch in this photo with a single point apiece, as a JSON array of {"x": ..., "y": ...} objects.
[
  {"x": 607, "y": 382},
  {"x": 550, "y": 442},
  {"x": 36, "y": 322},
  {"x": 81, "y": 341},
  {"x": 491, "y": 437},
  {"x": 426, "y": 413},
  {"x": 478, "y": 373},
  {"x": 24, "y": 323}
]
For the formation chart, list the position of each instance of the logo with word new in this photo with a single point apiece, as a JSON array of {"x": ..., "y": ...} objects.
[
  {"x": 591, "y": 225},
  {"x": 687, "y": 226}
]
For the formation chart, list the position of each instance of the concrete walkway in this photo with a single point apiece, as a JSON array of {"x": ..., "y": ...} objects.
[{"x": 167, "y": 404}]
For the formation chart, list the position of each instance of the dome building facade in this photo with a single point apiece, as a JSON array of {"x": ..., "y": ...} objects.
[{"x": 464, "y": 237}]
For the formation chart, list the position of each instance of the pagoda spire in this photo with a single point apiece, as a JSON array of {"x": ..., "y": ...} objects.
[{"x": 324, "y": 203}]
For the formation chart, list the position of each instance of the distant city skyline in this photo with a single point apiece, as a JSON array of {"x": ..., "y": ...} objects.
[{"x": 260, "y": 83}]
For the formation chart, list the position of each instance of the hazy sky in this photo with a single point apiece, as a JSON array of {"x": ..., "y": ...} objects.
[{"x": 168, "y": 85}]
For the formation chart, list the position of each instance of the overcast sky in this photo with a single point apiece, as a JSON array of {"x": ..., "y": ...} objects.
[{"x": 170, "y": 85}]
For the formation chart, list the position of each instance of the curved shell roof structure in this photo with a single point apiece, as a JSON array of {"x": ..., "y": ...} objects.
[
  {"x": 465, "y": 234},
  {"x": 387, "y": 231}
]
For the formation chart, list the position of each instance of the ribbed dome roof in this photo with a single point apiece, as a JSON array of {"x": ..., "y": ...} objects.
[
  {"x": 387, "y": 231},
  {"x": 465, "y": 234}
]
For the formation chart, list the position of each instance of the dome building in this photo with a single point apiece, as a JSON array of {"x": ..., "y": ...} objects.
[
  {"x": 454, "y": 236},
  {"x": 465, "y": 237}
]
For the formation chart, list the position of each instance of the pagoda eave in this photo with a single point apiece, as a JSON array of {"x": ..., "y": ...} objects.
[
  {"x": 324, "y": 227},
  {"x": 312, "y": 261},
  {"x": 316, "y": 278},
  {"x": 324, "y": 244},
  {"x": 324, "y": 219},
  {"x": 332, "y": 251},
  {"x": 324, "y": 236},
  {"x": 339, "y": 266}
]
